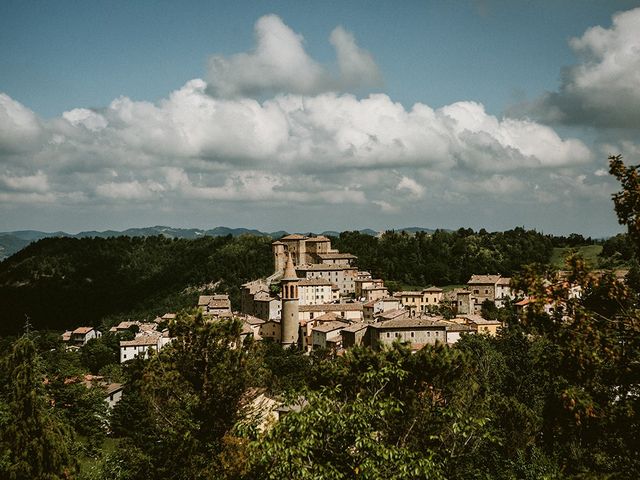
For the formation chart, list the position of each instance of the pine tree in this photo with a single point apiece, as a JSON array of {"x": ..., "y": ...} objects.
[{"x": 34, "y": 444}]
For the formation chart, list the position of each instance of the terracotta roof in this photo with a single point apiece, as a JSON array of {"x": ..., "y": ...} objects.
[
  {"x": 318, "y": 238},
  {"x": 410, "y": 293},
  {"x": 392, "y": 314},
  {"x": 251, "y": 320},
  {"x": 277, "y": 242},
  {"x": 504, "y": 281},
  {"x": 141, "y": 341},
  {"x": 113, "y": 388},
  {"x": 483, "y": 279},
  {"x": 322, "y": 267},
  {"x": 314, "y": 281},
  {"x": 82, "y": 330},
  {"x": 327, "y": 317},
  {"x": 355, "y": 327},
  {"x": 331, "y": 256},
  {"x": 432, "y": 289},
  {"x": 293, "y": 236},
  {"x": 412, "y": 323},
  {"x": 478, "y": 320},
  {"x": 331, "y": 307},
  {"x": 326, "y": 327}
]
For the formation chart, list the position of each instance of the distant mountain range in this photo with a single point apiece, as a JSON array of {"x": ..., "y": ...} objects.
[{"x": 12, "y": 242}]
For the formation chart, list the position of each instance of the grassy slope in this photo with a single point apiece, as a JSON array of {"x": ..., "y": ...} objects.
[{"x": 588, "y": 252}]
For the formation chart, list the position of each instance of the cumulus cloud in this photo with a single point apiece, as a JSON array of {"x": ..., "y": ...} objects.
[
  {"x": 323, "y": 149},
  {"x": 20, "y": 129},
  {"x": 280, "y": 64},
  {"x": 602, "y": 90},
  {"x": 410, "y": 186}
]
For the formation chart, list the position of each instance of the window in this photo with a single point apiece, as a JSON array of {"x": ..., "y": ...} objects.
[
  {"x": 476, "y": 292},
  {"x": 428, "y": 334},
  {"x": 388, "y": 334},
  {"x": 486, "y": 290},
  {"x": 412, "y": 335}
]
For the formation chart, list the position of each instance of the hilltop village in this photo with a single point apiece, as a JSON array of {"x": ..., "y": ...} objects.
[{"x": 317, "y": 298}]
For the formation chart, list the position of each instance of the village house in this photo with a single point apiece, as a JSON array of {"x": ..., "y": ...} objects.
[
  {"x": 266, "y": 306},
  {"x": 340, "y": 275},
  {"x": 143, "y": 344},
  {"x": 271, "y": 330},
  {"x": 314, "y": 291},
  {"x": 327, "y": 334},
  {"x": 346, "y": 311},
  {"x": 416, "y": 331},
  {"x": 215, "y": 305},
  {"x": 353, "y": 335},
  {"x": 376, "y": 307},
  {"x": 420, "y": 301},
  {"x": 481, "y": 325},
  {"x": 248, "y": 292},
  {"x": 494, "y": 288},
  {"x": 80, "y": 336}
]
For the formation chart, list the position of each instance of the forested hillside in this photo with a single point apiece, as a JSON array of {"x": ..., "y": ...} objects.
[
  {"x": 445, "y": 257},
  {"x": 64, "y": 282}
]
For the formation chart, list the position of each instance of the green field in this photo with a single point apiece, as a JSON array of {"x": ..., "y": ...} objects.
[{"x": 588, "y": 252}]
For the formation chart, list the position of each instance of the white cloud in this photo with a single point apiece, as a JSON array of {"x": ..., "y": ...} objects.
[
  {"x": 27, "y": 183},
  {"x": 603, "y": 89},
  {"x": 413, "y": 188},
  {"x": 280, "y": 63},
  {"x": 135, "y": 190},
  {"x": 20, "y": 129}
]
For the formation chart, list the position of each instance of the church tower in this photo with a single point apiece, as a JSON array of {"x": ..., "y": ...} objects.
[{"x": 289, "y": 324}]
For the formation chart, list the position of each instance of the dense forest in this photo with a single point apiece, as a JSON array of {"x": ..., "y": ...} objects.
[
  {"x": 444, "y": 257},
  {"x": 65, "y": 282}
]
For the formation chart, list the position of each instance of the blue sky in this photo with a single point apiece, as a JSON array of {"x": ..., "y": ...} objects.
[{"x": 515, "y": 123}]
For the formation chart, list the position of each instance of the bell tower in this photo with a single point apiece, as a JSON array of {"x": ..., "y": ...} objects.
[{"x": 289, "y": 323}]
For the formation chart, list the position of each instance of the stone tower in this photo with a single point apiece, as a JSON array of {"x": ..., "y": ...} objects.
[{"x": 289, "y": 324}]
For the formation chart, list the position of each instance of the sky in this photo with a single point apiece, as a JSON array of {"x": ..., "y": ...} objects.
[{"x": 308, "y": 116}]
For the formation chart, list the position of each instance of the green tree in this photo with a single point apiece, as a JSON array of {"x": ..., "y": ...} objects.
[
  {"x": 34, "y": 444},
  {"x": 179, "y": 405}
]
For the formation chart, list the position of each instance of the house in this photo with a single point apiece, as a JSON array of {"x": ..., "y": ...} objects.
[
  {"x": 271, "y": 329},
  {"x": 420, "y": 300},
  {"x": 144, "y": 343},
  {"x": 327, "y": 334},
  {"x": 341, "y": 275},
  {"x": 419, "y": 331},
  {"x": 353, "y": 334},
  {"x": 346, "y": 311},
  {"x": 455, "y": 331},
  {"x": 314, "y": 291},
  {"x": 113, "y": 393},
  {"x": 80, "y": 336},
  {"x": 215, "y": 305},
  {"x": 247, "y": 294},
  {"x": 482, "y": 325},
  {"x": 494, "y": 288},
  {"x": 375, "y": 307},
  {"x": 266, "y": 306}
]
